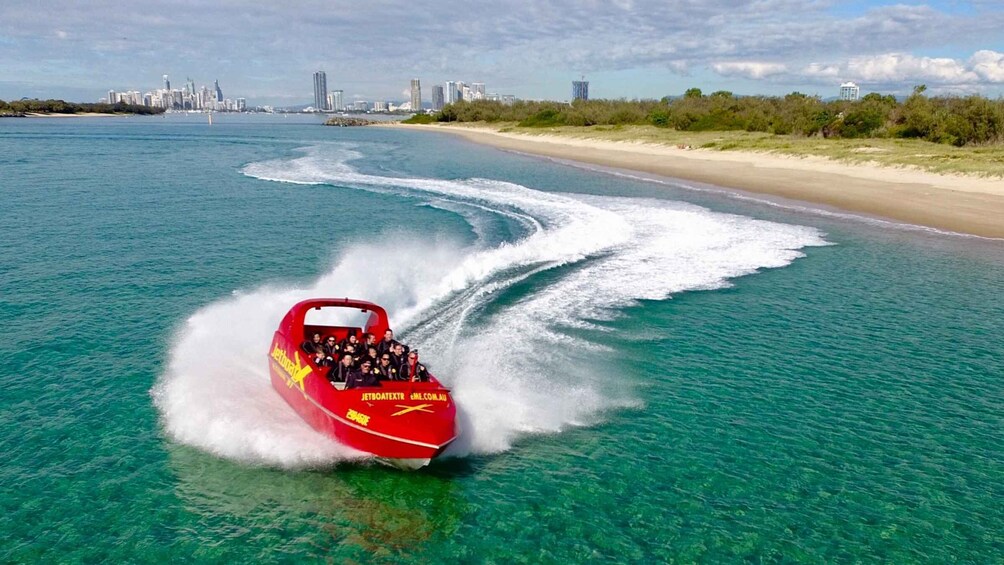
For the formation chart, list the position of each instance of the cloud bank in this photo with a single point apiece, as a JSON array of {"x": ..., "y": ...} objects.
[{"x": 530, "y": 48}]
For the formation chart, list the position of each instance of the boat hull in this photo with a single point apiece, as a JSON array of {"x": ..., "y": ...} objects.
[
  {"x": 387, "y": 442},
  {"x": 404, "y": 424}
]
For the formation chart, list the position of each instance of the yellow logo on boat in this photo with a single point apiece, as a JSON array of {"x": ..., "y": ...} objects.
[
  {"x": 367, "y": 396},
  {"x": 407, "y": 409},
  {"x": 294, "y": 371},
  {"x": 436, "y": 396},
  {"x": 358, "y": 417}
]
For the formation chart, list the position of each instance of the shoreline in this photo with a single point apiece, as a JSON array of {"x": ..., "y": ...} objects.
[
  {"x": 80, "y": 115},
  {"x": 956, "y": 203}
]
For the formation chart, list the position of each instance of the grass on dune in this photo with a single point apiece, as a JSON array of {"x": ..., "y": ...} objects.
[{"x": 982, "y": 161}]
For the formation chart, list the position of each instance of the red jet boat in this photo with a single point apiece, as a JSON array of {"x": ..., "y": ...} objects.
[{"x": 404, "y": 424}]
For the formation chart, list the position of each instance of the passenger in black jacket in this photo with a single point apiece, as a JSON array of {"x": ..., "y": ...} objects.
[
  {"x": 387, "y": 343},
  {"x": 349, "y": 349},
  {"x": 372, "y": 356},
  {"x": 322, "y": 359},
  {"x": 351, "y": 340},
  {"x": 331, "y": 346},
  {"x": 369, "y": 340},
  {"x": 397, "y": 358},
  {"x": 385, "y": 371},
  {"x": 340, "y": 372},
  {"x": 313, "y": 345},
  {"x": 415, "y": 371},
  {"x": 362, "y": 377}
]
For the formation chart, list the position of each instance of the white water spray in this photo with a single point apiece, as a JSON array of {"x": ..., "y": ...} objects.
[{"x": 513, "y": 372}]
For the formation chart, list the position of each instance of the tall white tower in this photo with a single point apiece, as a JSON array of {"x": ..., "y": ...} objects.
[{"x": 416, "y": 95}]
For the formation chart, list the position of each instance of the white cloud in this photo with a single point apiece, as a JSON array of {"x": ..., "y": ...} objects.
[
  {"x": 679, "y": 67},
  {"x": 519, "y": 45},
  {"x": 984, "y": 68},
  {"x": 899, "y": 67},
  {"x": 748, "y": 69},
  {"x": 989, "y": 65},
  {"x": 821, "y": 70}
]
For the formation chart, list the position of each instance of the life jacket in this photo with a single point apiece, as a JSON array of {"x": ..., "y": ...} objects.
[
  {"x": 339, "y": 373},
  {"x": 416, "y": 372}
]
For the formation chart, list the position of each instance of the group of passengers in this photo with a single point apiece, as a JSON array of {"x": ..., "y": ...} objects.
[{"x": 365, "y": 363}]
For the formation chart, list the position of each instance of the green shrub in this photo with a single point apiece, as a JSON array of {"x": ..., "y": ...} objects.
[
  {"x": 659, "y": 118},
  {"x": 548, "y": 117},
  {"x": 959, "y": 121},
  {"x": 420, "y": 119}
]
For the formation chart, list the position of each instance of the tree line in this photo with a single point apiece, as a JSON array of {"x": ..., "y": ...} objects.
[
  {"x": 968, "y": 120},
  {"x": 25, "y": 106}
]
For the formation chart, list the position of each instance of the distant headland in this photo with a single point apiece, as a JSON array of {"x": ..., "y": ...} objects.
[
  {"x": 31, "y": 107},
  {"x": 345, "y": 121}
]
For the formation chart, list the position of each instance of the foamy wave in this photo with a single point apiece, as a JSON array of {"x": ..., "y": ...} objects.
[{"x": 514, "y": 369}]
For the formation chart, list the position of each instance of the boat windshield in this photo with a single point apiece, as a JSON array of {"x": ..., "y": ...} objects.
[{"x": 336, "y": 316}]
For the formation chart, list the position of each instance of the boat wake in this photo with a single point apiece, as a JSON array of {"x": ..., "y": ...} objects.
[{"x": 513, "y": 327}]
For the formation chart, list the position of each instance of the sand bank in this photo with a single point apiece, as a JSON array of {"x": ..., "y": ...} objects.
[{"x": 956, "y": 203}]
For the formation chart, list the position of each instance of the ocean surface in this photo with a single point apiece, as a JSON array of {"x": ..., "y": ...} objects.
[{"x": 646, "y": 371}]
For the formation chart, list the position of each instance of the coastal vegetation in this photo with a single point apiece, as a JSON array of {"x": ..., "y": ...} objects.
[
  {"x": 959, "y": 121},
  {"x": 31, "y": 106},
  {"x": 978, "y": 160},
  {"x": 421, "y": 119}
]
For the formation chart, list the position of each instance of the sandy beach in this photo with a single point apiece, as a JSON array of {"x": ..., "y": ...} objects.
[{"x": 957, "y": 203}]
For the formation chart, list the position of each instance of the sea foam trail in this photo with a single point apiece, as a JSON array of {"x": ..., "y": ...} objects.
[{"x": 515, "y": 370}]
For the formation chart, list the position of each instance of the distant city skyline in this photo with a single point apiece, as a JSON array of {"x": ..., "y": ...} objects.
[
  {"x": 187, "y": 98},
  {"x": 639, "y": 49}
]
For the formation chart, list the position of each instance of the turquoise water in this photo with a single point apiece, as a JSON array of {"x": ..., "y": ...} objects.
[{"x": 647, "y": 373}]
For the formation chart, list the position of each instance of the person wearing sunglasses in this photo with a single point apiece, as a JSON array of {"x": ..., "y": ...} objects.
[
  {"x": 331, "y": 346},
  {"x": 384, "y": 370},
  {"x": 362, "y": 377},
  {"x": 415, "y": 371}
]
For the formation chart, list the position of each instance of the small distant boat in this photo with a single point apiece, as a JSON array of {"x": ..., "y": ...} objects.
[{"x": 404, "y": 424}]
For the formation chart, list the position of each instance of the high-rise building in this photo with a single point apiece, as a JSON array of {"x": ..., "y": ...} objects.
[
  {"x": 580, "y": 89},
  {"x": 321, "y": 91},
  {"x": 205, "y": 98},
  {"x": 416, "y": 95},
  {"x": 337, "y": 100},
  {"x": 219, "y": 93},
  {"x": 437, "y": 97},
  {"x": 452, "y": 94},
  {"x": 477, "y": 91},
  {"x": 167, "y": 83},
  {"x": 849, "y": 91}
]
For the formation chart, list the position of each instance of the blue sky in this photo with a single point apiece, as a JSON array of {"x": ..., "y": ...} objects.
[{"x": 267, "y": 52}]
